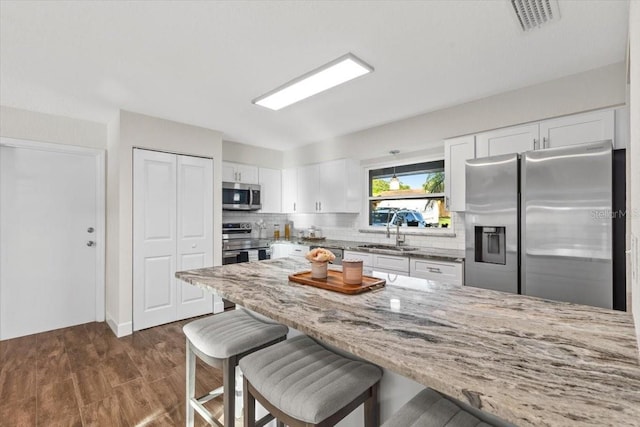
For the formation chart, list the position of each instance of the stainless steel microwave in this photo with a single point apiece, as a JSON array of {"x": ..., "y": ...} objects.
[{"x": 240, "y": 197}]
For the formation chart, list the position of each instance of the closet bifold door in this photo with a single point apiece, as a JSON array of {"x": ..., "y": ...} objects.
[
  {"x": 195, "y": 231},
  {"x": 154, "y": 238}
]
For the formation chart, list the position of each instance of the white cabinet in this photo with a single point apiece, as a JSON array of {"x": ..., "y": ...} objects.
[
  {"x": 282, "y": 250},
  {"x": 270, "y": 181},
  {"x": 577, "y": 129},
  {"x": 391, "y": 263},
  {"x": 308, "y": 192},
  {"x": 329, "y": 187},
  {"x": 563, "y": 131},
  {"x": 515, "y": 139},
  {"x": 366, "y": 258},
  {"x": 290, "y": 190},
  {"x": 172, "y": 230},
  {"x": 442, "y": 271},
  {"x": 236, "y": 172},
  {"x": 456, "y": 152}
]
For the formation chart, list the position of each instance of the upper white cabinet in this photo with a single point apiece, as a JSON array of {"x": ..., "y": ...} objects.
[
  {"x": 270, "y": 181},
  {"x": 563, "y": 131},
  {"x": 236, "y": 172},
  {"x": 308, "y": 191},
  {"x": 456, "y": 151},
  {"x": 577, "y": 129},
  {"x": 290, "y": 190},
  {"x": 328, "y": 187},
  {"x": 515, "y": 139}
]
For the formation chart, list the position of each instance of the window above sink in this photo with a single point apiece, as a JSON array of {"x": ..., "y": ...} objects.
[{"x": 416, "y": 201}]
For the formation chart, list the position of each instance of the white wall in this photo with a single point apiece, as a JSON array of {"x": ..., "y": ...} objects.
[
  {"x": 634, "y": 157},
  {"x": 137, "y": 130},
  {"x": 595, "y": 89},
  {"x": 23, "y": 124},
  {"x": 251, "y": 155}
]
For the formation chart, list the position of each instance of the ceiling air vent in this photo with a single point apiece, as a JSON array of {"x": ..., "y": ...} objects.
[{"x": 534, "y": 13}]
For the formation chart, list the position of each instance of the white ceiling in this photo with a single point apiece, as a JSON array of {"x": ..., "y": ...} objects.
[{"x": 203, "y": 62}]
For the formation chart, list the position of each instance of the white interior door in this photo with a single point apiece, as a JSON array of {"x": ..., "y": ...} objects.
[
  {"x": 154, "y": 238},
  {"x": 195, "y": 231},
  {"x": 48, "y": 274}
]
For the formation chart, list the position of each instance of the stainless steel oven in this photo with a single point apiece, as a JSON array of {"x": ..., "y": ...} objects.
[
  {"x": 240, "y": 197},
  {"x": 239, "y": 246}
]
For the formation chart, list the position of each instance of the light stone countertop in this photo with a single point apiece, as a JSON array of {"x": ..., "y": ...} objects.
[
  {"x": 441, "y": 254},
  {"x": 530, "y": 361}
]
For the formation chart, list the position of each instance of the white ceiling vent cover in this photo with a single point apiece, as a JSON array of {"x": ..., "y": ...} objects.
[{"x": 534, "y": 13}]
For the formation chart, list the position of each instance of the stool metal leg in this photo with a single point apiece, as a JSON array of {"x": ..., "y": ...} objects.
[
  {"x": 229, "y": 386},
  {"x": 191, "y": 383},
  {"x": 372, "y": 408},
  {"x": 249, "y": 405}
]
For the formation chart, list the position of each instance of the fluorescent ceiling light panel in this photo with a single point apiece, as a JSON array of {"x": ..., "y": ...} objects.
[{"x": 343, "y": 69}]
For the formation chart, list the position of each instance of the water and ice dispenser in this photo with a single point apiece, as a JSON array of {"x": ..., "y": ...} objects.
[{"x": 490, "y": 245}]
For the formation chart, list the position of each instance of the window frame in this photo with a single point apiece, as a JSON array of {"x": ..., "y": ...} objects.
[{"x": 399, "y": 162}]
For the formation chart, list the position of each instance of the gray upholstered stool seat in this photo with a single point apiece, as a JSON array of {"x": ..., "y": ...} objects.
[
  {"x": 221, "y": 341},
  {"x": 431, "y": 409},
  {"x": 300, "y": 382}
]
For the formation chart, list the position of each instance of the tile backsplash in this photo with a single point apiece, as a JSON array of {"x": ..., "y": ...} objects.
[{"x": 347, "y": 227}]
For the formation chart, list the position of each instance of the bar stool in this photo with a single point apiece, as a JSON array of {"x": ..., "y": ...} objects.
[
  {"x": 432, "y": 409},
  {"x": 221, "y": 341},
  {"x": 303, "y": 384}
]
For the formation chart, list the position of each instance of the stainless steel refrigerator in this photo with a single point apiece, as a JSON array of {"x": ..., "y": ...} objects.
[{"x": 540, "y": 223}]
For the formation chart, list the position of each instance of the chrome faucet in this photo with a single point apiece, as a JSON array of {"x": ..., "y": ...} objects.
[{"x": 399, "y": 241}]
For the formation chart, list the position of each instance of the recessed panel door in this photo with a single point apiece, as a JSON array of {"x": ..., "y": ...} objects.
[
  {"x": 154, "y": 238},
  {"x": 195, "y": 231}
]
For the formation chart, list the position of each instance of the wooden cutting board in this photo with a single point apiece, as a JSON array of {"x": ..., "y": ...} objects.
[{"x": 334, "y": 282}]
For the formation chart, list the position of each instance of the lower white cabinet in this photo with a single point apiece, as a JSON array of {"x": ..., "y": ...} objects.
[
  {"x": 390, "y": 263},
  {"x": 442, "y": 271},
  {"x": 282, "y": 250}
]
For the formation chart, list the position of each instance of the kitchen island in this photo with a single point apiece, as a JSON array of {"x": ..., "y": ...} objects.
[{"x": 526, "y": 360}]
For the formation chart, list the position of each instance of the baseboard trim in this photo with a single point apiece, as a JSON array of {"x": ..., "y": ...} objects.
[{"x": 119, "y": 329}]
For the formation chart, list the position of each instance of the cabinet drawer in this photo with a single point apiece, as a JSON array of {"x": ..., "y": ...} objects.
[
  {"x": 367, "y": 259},
  {"x": 388, "y": 262},
  {"x": 298, "y": 250},
  {"x": 448, "y": 272}
]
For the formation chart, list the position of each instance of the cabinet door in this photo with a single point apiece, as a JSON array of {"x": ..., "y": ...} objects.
[
  {"x": 279, "y": 250},
  {"x": 366, "y": 258},
  {"x": 194, "y": 231},
  {"x": 331, "y": 186},
  {"x": 447, "y": 272},
  {"x": 247, "y": 174},
  {"x": 289, "y": 190},
  {"x": 456, "y": 151},
  {"x": 154, "y": 238},
  {"x": 270, "y": 181},
  {"x": 391, "y": 263},
  {"x": 229, "y": 172},
  {"x": 308, "y": 189},
  {"x": 577, "y": 129},
  {"x": 507, "y": 141}
]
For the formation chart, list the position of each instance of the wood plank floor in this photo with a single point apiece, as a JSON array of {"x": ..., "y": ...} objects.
[{"x": 85, "y": 376}]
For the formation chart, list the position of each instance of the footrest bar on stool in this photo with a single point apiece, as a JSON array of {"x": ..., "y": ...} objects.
[
  {"x": 264, "y": 420},
  {"x": 204, "y": 413},
  {"x": 211, "y": 395}
]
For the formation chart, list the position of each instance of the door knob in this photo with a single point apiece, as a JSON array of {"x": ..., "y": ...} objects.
[
  {"x": 91, "y": 243},
  {"x": 90, "y": 230}
]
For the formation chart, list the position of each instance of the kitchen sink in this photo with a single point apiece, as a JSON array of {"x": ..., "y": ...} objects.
[{"x": 388, "y": 247}]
